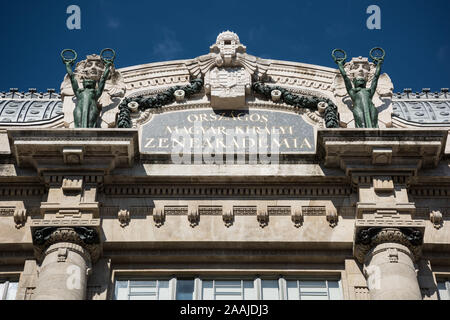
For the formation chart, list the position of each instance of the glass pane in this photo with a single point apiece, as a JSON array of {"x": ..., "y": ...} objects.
[
  {"x": 139, "y": 290},
  {"x": 313, "y": 290},
  {"x": 314, "y": 297},
  {"x": 443, "y": 292},
  {"x": 269, "y": 290},
  {"x": 164, "y": 291},
  {"x": 249, "y": 290},
  {"x": 228, "y": 290},
  {"x": 207, "y": 291},
  {"x": 334, "y": 290},
  {"x": 12, "y": 291},
  {"x": 185, "y": 290},
  {"x": 140, "y": 283},
  {"x": 292, "y": 290},
  {"x": 313, "y": 284},
  {"x": 121, "y": 290}
]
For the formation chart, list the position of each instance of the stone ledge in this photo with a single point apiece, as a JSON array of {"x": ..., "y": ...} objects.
[
  {"x": 80, "y": 149},
  {"x": 381, "y": 149}
]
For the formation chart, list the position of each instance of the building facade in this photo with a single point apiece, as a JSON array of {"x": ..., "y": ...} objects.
[{"x": 226, "y": 176}]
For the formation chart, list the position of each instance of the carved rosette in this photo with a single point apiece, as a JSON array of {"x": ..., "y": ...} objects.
[
  {"x": 369, "y": 238},
  {"x": 88, "y": 238}
]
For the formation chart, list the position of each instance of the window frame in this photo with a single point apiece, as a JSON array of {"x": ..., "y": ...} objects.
[
  {"x": 446, "y": 282},
  {"x": 7, "y": 282}
]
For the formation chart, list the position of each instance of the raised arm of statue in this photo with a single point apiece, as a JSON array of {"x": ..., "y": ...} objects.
[
  {"x": 348, "y": 82},
  {"x": 373, "y": 87},
  {"x": 73, "y": 81},
  {"x": 102, "y": 82}
]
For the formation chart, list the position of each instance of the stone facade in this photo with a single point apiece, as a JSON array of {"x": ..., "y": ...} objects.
[{"x": 81, "y": 208}]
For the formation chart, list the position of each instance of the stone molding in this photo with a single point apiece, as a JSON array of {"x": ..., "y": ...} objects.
[
  {"x": 227, "y": 191},
  {"x": 368, "y": 238},
  {"x": 228, "y": 212}
]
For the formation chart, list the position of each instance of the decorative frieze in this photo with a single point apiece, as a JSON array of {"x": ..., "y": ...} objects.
[
  {"x": 314, "y": 210},
  {"x": 279, "y": 211},
  {"x": 7, "y": 212},
  {"x": 176, "y": 210},
  {"x": 21, "y": 191},
  {"x": 141, "y": 211},
  {"x": 244, "y": 210},
  {"x": 210, "y": 210},
  {"x": 221, "y": 191},
  {"x": 430, "y": 191}
]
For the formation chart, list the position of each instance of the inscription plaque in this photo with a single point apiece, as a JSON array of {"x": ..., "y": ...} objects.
[{"x": 200, "y": 129}]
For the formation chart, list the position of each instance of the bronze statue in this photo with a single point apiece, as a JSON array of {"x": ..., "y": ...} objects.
[
  {"x": 87, "y": 110},
  {"x": 364, "y": 111}
]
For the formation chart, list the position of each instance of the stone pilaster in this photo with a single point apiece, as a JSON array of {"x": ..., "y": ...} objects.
[
  {"x": 389, "y": 256},
  {"x": 66, "y": 255}
]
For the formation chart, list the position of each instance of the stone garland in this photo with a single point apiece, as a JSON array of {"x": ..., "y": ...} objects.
[
  {"x": 124, "y": 120},
  {"x": 331, "y": 112},
  {"x": 158, "y": 101}
]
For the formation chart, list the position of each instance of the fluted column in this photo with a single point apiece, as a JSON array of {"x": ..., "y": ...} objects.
[
  {"x": 66, "y": 255},
  {"x": 389, "y": 256}
]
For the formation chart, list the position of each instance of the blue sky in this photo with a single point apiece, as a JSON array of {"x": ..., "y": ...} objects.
[{"x": 415, "y": 34}]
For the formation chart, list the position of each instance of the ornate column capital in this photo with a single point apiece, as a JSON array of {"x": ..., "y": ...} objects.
[
  {"x": 368, "y": 238},
  {"x": 85, "y": 237}
]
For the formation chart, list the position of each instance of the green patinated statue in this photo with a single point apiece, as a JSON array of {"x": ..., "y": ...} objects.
[
  {"x": 364, "y": 111},
  {"x": 87, "y": 110}
]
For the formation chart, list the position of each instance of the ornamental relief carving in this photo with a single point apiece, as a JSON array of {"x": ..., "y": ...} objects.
[
  {"x": 228, "y": 73},
  {"x": 87, "y": 238},
  {"x": 368, "y": 238}
]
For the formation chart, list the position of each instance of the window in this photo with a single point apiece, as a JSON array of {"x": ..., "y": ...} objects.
[
  {"x": 143, "y": 290},
  {"x": 228, "y": 289},
  {"x": 444, "y": 290},
  {"x": 8, "y": 290},
  {"x": 313, "y": 290}
]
